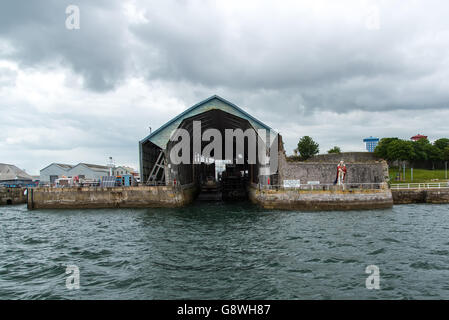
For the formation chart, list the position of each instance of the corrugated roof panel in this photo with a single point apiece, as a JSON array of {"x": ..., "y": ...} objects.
[
  {"x": 161, "y": 136},
  {"x": 11, "y": 172}
]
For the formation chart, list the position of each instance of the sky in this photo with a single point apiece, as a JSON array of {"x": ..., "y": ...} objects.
[{"x": 338, "y": 71}]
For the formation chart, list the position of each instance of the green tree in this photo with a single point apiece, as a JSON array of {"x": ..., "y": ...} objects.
[
  {"x": 442, "y": 143},
  {"x": 421, "y": 149},
  {"x": 382, "y": 146},
  {"x": 400, "y": 150},
  {"x": 334, "y": 150},
  {"x": 446, "y": 154},
  {"x": 307, "y": 147},
  {"x": 434, "y": 153}
]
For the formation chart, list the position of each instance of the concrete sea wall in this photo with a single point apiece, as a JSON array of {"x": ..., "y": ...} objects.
[
  {"x": 366, "y": 181},
  {"x": 408, "y": 196},
  {"x": 167, "y": 196},
  {"x": 322, "y": 200},
  {"x": 113, "y": 197},
  {"x": 12, "y": 196}
]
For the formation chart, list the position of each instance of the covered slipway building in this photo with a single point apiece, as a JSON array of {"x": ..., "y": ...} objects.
[{"x": 214, "y": 112}]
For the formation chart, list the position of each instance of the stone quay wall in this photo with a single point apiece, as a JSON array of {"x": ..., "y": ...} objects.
[
  {"x": 408, "y": 196},
  {"x": 365, "y": 185},
  {"x": 110, "y": 197},
  {"x": 12, "y": 196},
  {"x": 315, "y": 200},
  {"x": 365, "y": 168}
]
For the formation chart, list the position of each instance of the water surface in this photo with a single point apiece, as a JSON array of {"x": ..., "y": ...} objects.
[{"x": 224, "y": 251}]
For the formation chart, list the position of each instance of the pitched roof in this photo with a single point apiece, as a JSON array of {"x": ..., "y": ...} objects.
[
  {"x": 418, "y": 136},
  {"x": 11, "y": 172},
  {"x": 94, "y": 166},
  {"x": 65, "y": 166},
  {"x": 61, "y": 165},
  {"x": 161, "y": 136}
]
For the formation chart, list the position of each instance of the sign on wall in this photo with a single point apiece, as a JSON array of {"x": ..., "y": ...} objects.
[{"x": 292, "y": 183}]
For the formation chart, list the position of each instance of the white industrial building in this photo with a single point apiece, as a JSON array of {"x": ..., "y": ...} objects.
[
  {"x": 54, "y": 171},
  {"x": 83, "y": 170},
  {"x": 89, "y": 171},
  {"x": 121, "y": 170}
]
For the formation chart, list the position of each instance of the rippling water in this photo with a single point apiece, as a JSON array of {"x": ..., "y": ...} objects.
[{"x": 215, "y": 251}]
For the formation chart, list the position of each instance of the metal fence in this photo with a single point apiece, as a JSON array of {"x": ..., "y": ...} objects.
[{"x": 430, "y": 185}]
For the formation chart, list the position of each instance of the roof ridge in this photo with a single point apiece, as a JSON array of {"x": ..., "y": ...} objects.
[{"x": 215, "y": 96}]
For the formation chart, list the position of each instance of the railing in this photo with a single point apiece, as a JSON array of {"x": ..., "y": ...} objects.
[
  {"x": 430, "y": 185},
  {"x": 325, "y": 187}
]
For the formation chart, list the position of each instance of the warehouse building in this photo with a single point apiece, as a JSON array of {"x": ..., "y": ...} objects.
[
  {"x": 54, "y": 171},
  {"x": 83, "y": 170},
  {"x": 121, "y": 170},
  {"x": 11, "y": 175},
  {"x": 89, "y": 171},
  {"x": 236, "y": 162}
]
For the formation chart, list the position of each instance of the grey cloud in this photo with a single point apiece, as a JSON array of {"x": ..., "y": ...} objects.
[
  {"x": 332, "y": 62},
  {"x": 339, "y": 66},
  {"x": 7, "y": 77},
  {"x": 299, "y": 68},
  {"x": 36, "y": 30}
]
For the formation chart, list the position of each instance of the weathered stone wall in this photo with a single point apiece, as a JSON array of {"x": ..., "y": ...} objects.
[
  {"x": 113, "y": 197},
  {"x": 345, "y": 156},
  {"x": 362, "y": 168},
  {"x": 407, "y": 196},
  {"x": 322, "y": 200},
  {"x": 326, "y": 172},
  {"x": 12, "y": 196}
]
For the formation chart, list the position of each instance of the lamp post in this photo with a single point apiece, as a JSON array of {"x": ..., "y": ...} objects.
[
  {"x": 403, "y": 169},
  {"x": 445, "y": 168},
  {"x": 111, "y": 165}
]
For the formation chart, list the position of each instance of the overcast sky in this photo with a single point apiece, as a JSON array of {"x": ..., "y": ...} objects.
[{"x": 338, "y": 71}]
